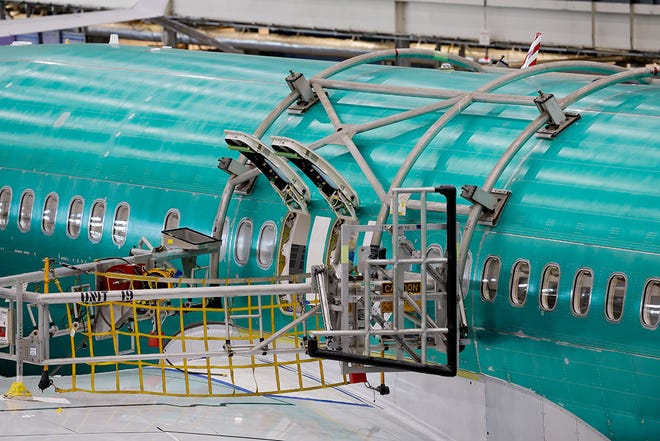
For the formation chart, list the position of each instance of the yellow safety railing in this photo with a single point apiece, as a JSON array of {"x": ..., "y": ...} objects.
[{"x": 195, "y": 347}]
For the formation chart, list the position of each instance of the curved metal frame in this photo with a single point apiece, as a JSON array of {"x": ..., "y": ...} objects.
[{"x": 454, "y": 101}]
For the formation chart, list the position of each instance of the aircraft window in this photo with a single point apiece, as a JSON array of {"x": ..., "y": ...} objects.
[
  {"x": 120, "y": 224},
  {"x": 266, "y": 245},
  {"x": 74, "y": 218},
  {"x": 172, "y": 219},
  {"x": 243, "y": 241},
  {"x": 434, "y": 252},
  {"x": 581, "y": 295},
  {"x": 651, "y": 304},
  {"x": 549, "y": 287},
  {"x": 490, "y": 278},
  {"x": 49, "y": 213},
  {"x": 96, "y": 218},
  {"x": 25, "y": 210},
  {"x": 5, "y": 203},
  {"x": 520, "y": 282},
  {"x": 616, "y": 292}
]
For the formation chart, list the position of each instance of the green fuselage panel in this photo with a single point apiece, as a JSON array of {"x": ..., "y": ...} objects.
[{"x": 145, "y": 127}]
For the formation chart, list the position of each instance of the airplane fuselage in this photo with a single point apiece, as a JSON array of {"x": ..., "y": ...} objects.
[{"x": 561, "y": 294}]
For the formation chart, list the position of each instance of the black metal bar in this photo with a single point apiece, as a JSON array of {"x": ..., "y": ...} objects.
[
  {"x": 314, "y": 351},
  {"x": 449, "y": 192}
]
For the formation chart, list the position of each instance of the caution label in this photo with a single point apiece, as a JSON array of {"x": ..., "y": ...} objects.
[
  {"x": 410, "y": 287},
  {"x": 387, "y": 288}
]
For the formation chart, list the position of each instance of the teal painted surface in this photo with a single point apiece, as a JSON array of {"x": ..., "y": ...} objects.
[
  {"x": 585, "y": 363},
  {"x": 147, "y": 128}
]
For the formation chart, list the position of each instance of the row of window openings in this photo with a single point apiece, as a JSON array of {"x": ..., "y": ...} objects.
[
  {"x": 243, "y": 244},
  {"x": 74, "y": 216},
  {"x": 580, "y": 294},
  {"x": 266, "y": 242}
]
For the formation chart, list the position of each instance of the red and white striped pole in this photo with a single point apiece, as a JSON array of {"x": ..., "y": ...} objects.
[{"x": 530, "y": 58}]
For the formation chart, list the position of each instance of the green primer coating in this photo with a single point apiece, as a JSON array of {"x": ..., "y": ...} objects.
[{"x": 146, "y": 127}]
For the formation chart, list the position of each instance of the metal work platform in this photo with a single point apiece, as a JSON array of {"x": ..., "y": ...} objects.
[{"x": 396, "y": 313}]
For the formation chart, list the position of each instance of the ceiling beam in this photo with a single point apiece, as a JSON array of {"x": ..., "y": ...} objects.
[
  {"x": 143, "y": 9},
  {"x": 196, "y": 35}
]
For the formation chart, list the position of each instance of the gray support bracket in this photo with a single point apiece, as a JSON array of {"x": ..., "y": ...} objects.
[
  {"x": 232, "y": 166},
  {"x": 558, "y": 119},
  {"x": 235, "y": 168},
  {"x": 493, "y": 202},
  {"x": 306, "y": 96}
]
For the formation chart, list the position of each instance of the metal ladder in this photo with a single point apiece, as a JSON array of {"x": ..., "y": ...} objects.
[{"x": 383, "y": 314}]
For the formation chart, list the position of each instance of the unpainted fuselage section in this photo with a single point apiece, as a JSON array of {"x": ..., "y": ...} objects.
[{"x": 126, "y": 127}]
